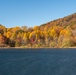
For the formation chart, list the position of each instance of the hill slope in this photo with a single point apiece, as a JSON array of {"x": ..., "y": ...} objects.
[
  {"x": 64, "y": 22},
  {"x": 59, "y": 33}
]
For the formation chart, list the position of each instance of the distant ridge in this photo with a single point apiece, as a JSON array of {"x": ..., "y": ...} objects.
[{"x": 66, "y": 21}]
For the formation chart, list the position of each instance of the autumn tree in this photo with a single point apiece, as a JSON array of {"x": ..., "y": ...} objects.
[{"x": 24, "y": 28}]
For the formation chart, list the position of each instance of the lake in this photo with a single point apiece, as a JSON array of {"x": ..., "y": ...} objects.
[{"x": 37, "y": 61}]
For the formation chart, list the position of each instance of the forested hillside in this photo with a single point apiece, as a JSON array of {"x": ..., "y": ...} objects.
[{"x": 60, "y": 33}]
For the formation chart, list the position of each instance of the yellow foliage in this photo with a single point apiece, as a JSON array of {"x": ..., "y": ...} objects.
[
  {"x": 53, "y": 33},
  {"x": 31, "y": 34},
  {"x": 19, "y": 35},
  {"x": 16, "y": 29},
  {"x": 13, "y": 36},
  {"x": 66, "y": 32},
  {"x": 24, "y": 36},
  {"x": 36, "y": 28},
  {"x": 8, "y": 34}
]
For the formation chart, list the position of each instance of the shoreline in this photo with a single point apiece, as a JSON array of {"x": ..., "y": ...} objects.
[{"x": 34, "y": 48}]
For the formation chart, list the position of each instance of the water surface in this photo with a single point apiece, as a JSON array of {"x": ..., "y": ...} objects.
[{"x": 38, "y": 61}]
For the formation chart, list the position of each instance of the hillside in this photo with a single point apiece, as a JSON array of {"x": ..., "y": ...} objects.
[
  {"x": 63, "y": 22},
  {"x": 60, "y": 33}
]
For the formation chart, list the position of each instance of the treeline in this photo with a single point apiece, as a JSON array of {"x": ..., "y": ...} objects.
[{"x": 54, "y": 36}]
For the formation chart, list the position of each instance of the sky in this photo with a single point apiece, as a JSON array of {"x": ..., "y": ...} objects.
[{"x": 34, "y": 12}]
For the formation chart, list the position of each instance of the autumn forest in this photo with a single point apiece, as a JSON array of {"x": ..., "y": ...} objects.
[{"x": 60, "y": 33}]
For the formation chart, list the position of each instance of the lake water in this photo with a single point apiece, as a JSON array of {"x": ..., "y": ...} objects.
[{"x": 37, "y": 61}]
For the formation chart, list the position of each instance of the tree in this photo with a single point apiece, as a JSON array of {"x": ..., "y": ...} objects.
[
  {"x": 24, "y": 28},
  {"x": 8, "y": 34},
  {"x": 15, "y": 29},
  {"x": 66, "y": 32},
  {"x": 3, "y": 40},
  {"x": 36, "y": 28}
]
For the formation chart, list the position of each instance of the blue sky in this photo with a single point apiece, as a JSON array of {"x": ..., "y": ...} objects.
[{"x": 34, "y": 12}]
